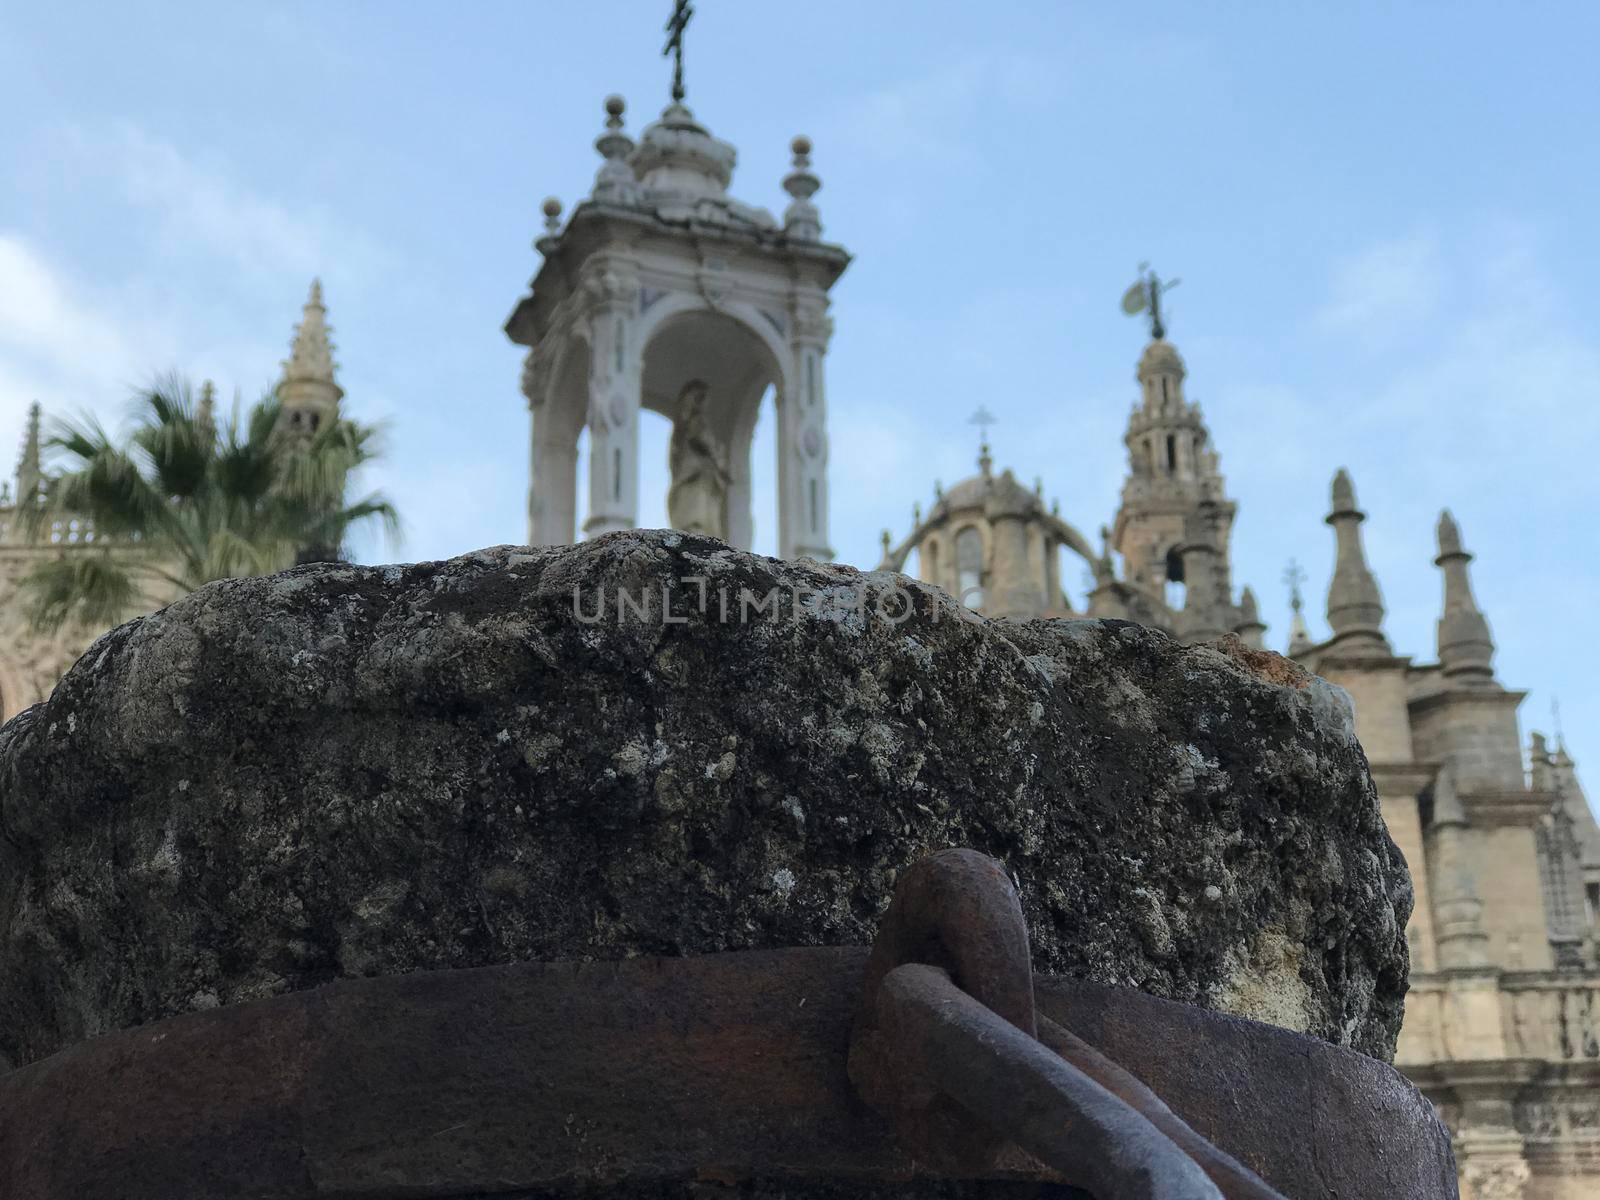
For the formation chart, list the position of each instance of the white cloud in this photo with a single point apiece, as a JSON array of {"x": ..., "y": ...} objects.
[
  {"x": 199, "y": 209},
  {"x": 1385, "y": 290}
]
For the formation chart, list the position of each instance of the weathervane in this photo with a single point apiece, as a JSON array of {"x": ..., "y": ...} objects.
[
  {"x": 1146, "y": 294},
  {"x": 679, "y": 21}
]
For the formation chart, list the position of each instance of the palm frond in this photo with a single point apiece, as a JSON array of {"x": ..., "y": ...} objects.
[{"x": 90, "y": 588}]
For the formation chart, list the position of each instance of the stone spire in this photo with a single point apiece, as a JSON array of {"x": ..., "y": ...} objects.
[
  {"x": 1564, "y": 781},
  {"x": 1355, "y": 607},
  {"x": 1251, "y": 628},
  {"x": 801, "y": 220},
  {"x": 205, "y": 417},
  {"x": 1465, "y": 647},
  {"x": 308, "y": 392},
  {"x": 615, "y": 180},
  {"x": 1457, "y": 905},
  {"x": 30, "y": 471}
]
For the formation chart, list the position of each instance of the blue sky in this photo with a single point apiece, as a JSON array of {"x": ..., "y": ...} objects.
[{"x": 1384, "y": 216}]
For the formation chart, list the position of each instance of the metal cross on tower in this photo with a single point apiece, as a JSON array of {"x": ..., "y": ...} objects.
[
  {"x": 676, "y": 24},
  {"x": 1294, "y": 575},
  {"x": 983, "y": 418}
]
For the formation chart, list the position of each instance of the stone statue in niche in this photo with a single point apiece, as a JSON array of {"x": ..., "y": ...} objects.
[{"x": 698, "y": 499}]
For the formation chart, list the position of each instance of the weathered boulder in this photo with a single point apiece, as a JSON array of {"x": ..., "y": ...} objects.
[{"x": 517, "y": 755}]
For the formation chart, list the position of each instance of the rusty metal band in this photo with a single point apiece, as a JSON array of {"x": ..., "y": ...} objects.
[{"x": 573, "y": 1076}]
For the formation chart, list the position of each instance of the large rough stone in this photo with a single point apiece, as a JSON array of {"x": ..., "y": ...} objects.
[{"x": 346, "y": 771}]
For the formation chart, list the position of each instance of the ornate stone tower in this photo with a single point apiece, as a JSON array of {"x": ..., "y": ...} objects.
[
  {"x": 1175, "y": 523},
  {"x": 663, "y": 292},
  {"x": 1174, "y": 516},
  {"x": 309, "y": 394}
]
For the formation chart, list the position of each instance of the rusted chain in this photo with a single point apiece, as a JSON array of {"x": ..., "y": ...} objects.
[{"x": 946, "y": 1046}]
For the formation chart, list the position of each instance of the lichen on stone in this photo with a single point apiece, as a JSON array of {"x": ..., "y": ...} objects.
[{"x": 349, "y": 770}]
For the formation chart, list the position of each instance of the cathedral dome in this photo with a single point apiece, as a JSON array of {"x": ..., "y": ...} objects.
[{"x": 992, "y": 492}]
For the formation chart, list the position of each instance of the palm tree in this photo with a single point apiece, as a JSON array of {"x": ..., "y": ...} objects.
[{"x": 181, "y": 502}]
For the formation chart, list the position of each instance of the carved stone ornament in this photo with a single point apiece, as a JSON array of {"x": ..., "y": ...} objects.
[
  {"x": 1499, "y": 1179},
  {"x": 607, "y": 285},
  {"x": 535, "y": 377},
  {"x": 812, "y": 325}
]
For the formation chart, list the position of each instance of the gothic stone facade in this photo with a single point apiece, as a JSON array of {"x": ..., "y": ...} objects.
[{"x": 1502, "y": 1028}]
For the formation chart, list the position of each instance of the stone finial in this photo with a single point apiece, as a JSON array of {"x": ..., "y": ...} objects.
[
  {"x": 1539, "y": 773},
  {"x": 615, "y": 181},
  {"x": 551, "y": 208},
  {"x": 30, "y": 468},
  {"x": 1355, "y": 606},
  {"x": 801, "y": 220},
  {"x": 985, "y": 459},
  {"x": 1251, "y": 628},
  {"x": 1466, "y": 649}
]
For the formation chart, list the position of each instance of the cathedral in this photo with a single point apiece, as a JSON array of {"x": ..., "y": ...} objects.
[
  {"x": 1501, "y": 1031},
  {"x": 659, "y": 290}
]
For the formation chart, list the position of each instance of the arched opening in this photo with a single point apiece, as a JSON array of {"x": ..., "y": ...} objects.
[
  {"x": 740, "y": 373},
  {"x": 655, "y": 439},
  {"x": 969, "y": 567},
  {"x": 561, "y": 452},
  {"x": 580, "y": 468},
  {"x": 1176, "y": 590},
  {"x": 764, "y": 484}
]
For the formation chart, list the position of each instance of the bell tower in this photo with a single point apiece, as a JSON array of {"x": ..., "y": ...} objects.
[
  {"x": 661, "y": 291},
  {"x": 1175, "y": 520}
]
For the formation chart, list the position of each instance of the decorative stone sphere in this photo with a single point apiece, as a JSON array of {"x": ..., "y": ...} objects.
[
  {"x": 615, "y": 106},
  {"x": 551, "y": 207},
  {"x": 801, "y": 144}
]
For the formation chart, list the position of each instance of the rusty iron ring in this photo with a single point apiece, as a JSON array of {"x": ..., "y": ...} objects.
[
  {"x": 958, "y": 911},
  {"x": 946, "y": 1047}
]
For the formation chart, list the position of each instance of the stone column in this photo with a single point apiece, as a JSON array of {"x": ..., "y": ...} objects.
[
  {"x": 613, "y": 402},
  {"x": 553, "y": 461},
  {"x": 1052, "y": 574},
  {"x": 803, "y": 436}
]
